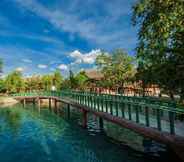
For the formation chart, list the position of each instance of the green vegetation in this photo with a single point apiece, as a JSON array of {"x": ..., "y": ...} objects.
[
  {"x": 161, "y": 43},
  {"x": 15, "y": 82},
  {"x": 118, "y": 68},
  {"x": 159, "y": 57}
]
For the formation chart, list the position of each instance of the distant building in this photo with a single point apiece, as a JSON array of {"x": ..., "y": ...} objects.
[{"x": 129, "y": 89}]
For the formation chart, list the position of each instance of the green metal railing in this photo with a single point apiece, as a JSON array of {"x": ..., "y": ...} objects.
[{"x": 148, "y": 112}]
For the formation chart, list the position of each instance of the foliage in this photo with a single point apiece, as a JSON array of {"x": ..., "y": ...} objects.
[
  {"x": 47, "y": 82},
  {"x": 33, "y": 83},
  {"x": 2, "y": 86},
  {"x": 81, "y": 80},
  {"x": 57, "y": 79},
  {"x": 77, "y": 81},
  {"x": 118, "y": 68},
  {"x": 14, "y": 82},
  {"x": 160, "y": 49}
]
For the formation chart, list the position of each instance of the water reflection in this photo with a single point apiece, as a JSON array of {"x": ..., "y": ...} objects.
[{"x": 45, "y": 136}]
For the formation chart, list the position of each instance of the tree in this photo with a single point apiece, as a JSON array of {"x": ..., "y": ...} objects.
[
  {"x": 160, "y": 48},
  {"x": 14, "y": 82},
  {"x": 33, "y": 83},
  {"x": 47, "y": 81},
  {"x": 81, "y": 80},
  {"x": 72, "y": 81},
  {"x": 57, "y": 79},
  {"x": 118, "y": 68},
  {"x": 2, "y": 86}
]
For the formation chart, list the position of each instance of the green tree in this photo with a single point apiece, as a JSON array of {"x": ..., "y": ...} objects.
[
  {"x": 81, "y": 80},
  {"x": 33, "y": 83},
  {"x": 160, "y": 48},
  {"x": 47, "y": 81},
  {"x": 72, "y": 81},
  {"x": 57, "y": 79},
  {"x": 2, "y": 86},
  {"x": 118, "y": 68},
  {"x": 14, "y": 82}
]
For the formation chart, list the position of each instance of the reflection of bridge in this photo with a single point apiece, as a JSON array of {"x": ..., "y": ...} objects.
[{"x": 151, "y": 118}]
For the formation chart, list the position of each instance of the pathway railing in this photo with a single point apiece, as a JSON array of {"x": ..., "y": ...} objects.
[{"x": 164, "y": 116}]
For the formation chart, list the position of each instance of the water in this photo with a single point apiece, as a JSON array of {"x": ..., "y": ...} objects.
[{"x": 30, "y": 134}]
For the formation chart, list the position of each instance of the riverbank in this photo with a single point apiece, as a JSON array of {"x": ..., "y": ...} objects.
[{"x": 7, "y": 101}]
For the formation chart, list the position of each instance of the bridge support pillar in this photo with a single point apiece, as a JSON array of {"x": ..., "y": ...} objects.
[
  {"x": 55, "y": 106},
  {"x": 84, "y": 120},
  {"x": 34, "y": 102},
  {"x": 24, "y": 102},
  {"x": 68, "y": 111},
  {"x": 101, "y": 123},
  {"x": 39, "y": 102},
  {"x": 50, "y": 103}
]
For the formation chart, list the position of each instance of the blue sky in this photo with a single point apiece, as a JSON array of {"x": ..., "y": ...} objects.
[{"x": 39, "y": 36}]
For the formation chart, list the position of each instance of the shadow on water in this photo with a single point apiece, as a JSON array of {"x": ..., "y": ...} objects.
[{"x": 42, "y": 135}]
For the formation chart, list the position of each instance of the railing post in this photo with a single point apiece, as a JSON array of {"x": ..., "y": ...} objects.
[
  {"x": 111, "y": 107},
  {"x": 158, "y": 120},
  {"x": 88, "y": 97},
  {"x": 147, "y": 116},
  {"x": 98, "y": 104},
  {"x": 106, "y": 106},
  {"x": 95, "y": 102},
  {"x": 117, "y": 106},
  {"x": 102, "y": 104},
  {"x": 123, "y": 109},
  {"x": 129, "y": 111},
  {"x": 137, "y": 113},
  {"x": 171, "y": 122}
]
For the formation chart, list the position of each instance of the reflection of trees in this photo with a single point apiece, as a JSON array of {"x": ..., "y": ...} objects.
[
  {"x": 12, "y": 119},
  {"x": 49, "y": 124},
  {"x": 15, "y": 118}
]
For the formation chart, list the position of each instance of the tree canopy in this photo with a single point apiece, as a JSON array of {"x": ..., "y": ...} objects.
[
  {"x": 118, "y": 68},
  {"x": 160, "y": 49}
]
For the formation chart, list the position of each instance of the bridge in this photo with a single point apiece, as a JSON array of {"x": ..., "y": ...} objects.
[{"x": 149, "y": 117}]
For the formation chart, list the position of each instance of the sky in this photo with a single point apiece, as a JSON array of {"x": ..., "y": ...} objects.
[{"x": 40, "y": 36}]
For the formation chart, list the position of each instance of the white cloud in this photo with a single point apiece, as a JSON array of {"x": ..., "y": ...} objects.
[
  {"x": 101, "y": 30},
  {"x": 86, "y": 58},
  {"x": 63, "y": 67},
  {"x": 27, "y": 60},
  {"x": 42, "y": 66},
  {"x": 20, "y": 69}
]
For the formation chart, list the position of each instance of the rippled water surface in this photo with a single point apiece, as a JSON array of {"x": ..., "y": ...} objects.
[{"x": 32, "y": 135}]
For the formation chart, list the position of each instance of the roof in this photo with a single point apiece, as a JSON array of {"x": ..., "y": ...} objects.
[{"x": 94, "y": 74}]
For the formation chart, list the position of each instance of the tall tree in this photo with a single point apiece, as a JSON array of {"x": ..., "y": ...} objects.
[
  {"x": 72, "y": 80},
  {"x": 118, "y": 67},
  {"x": 81, "y": 80},
  {"x": 160, "y": 48},
  {"x": 14, "y": 82},
  {"x": 47, "y": 81},
  {"x": 57, "y": 79}
]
